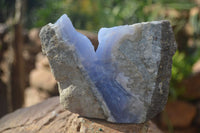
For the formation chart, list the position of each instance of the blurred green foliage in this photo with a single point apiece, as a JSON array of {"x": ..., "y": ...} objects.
[
  {"x": 6, "y": 9},
  {"x": 182, "y": 68},
  {"x": 47, "y": 11},
  {"x": 93, "y": 14}
]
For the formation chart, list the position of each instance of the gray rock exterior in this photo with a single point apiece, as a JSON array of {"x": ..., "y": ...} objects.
[
  {"x": 74, "y": 86},
  {"x": 168, "y": 48},
  {"x": 128, "y": 81}
]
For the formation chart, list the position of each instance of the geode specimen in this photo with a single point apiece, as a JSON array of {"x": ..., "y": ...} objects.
[{"x": 125, "y": 81}]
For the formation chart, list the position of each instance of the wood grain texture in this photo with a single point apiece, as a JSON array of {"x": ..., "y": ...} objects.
[{"x": 50, "y": 117}]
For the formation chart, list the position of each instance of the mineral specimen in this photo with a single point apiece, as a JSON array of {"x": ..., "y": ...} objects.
[{"x": 125, "y": 81}]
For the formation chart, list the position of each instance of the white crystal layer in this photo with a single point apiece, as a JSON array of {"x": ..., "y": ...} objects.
[{"x": 81, "y": 43}]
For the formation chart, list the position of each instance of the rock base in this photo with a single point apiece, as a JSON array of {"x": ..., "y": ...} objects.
[{"x": 49, "y": 116}]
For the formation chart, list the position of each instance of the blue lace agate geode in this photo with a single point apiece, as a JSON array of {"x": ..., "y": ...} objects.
[{"x": 125, "y": 81}]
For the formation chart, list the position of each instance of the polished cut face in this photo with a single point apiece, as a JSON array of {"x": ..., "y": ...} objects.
[{"x": 125, "y": 81}]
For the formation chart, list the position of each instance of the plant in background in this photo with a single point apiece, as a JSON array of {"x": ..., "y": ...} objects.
[
  {"x": 43, "y": 12},
  {"x": 93, "y": 14},
  {"x": 180, "y": 69},
  {"x": 6, "y": 9}
]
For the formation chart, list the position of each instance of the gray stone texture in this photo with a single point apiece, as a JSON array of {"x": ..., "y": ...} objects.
[
  {"x": 74, "y": 86},
  {"x": 143, "y": 62}
]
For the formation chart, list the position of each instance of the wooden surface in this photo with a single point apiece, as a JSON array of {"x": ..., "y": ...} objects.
[{"x": 50, "y": 117}]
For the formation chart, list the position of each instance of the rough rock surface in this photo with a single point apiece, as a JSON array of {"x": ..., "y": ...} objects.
[
  {"x": 50, "y": 117},
  {"x": 125, "y": 81}
]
